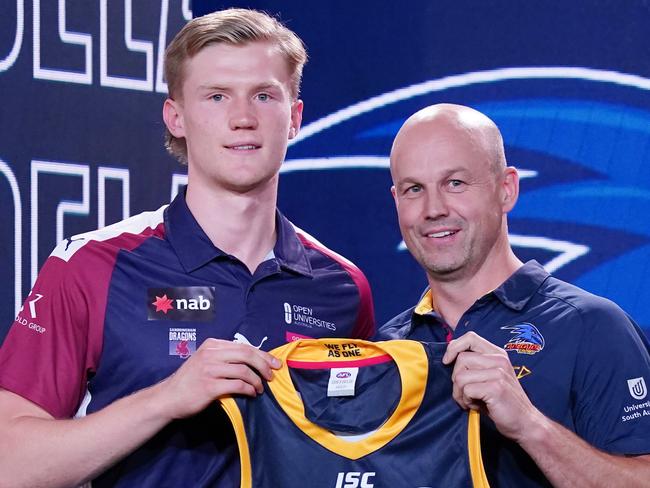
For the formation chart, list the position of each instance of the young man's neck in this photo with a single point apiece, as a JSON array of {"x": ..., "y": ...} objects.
[
  {"x": 453, "y": 297},
  {"x": 240, "y": 224}
]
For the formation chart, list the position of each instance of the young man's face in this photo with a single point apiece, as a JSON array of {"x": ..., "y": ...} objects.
[
  {"x": 450, "y": 202},
  {"x": 236, "y": 114}
]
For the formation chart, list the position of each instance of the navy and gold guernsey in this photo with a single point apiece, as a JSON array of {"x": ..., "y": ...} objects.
[{"x": 344, "y": 413}]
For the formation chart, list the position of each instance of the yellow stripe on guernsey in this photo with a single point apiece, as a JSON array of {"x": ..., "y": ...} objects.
[
  {"x": 477, "y": 470},
  {"x": 411, "y": 361},
  {"x": 237, "y": 421}
]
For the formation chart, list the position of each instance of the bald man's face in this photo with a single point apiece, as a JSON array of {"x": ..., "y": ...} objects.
[{"x": 450, "y": 200}]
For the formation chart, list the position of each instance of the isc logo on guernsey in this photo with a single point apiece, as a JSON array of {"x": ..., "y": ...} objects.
[{"x": 355, "y": 479}]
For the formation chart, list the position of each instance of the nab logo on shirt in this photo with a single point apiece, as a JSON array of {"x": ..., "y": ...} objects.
[{"x": 181, "y": 304}]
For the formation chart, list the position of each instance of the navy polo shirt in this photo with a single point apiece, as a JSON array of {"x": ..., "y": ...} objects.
[
  {"x": 580, "y": 359},
  {"x": 119, "y": 309}
]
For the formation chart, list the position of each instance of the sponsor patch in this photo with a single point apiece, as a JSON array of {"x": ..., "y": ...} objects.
[
  {"x": 342, "y": 382},
  {"x": 28, "y": 318},
  {"x": 294, "y": 336},
  {"x": 522, "y": 371},
  {"x": 304, "y": 317},
  {"x": 527, "y": 339},
  {"x": 241, "y": 339},
  {"x": 637, "y": 388},
  {"x": 182, "y": 342},
  {"x": 181, "y": 304}
]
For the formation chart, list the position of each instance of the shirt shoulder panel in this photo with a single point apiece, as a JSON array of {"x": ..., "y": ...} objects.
[
  {"x": 610, "y": 351},
  {"x": 56, "y": 339},
  {"x": 135, "y": 226},
  {"x": 365, "y": 321}
]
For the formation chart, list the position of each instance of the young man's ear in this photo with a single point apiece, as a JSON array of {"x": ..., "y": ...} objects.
[
  {"x": 296, "y": 118},
  {"x": 173, "y": 117}
]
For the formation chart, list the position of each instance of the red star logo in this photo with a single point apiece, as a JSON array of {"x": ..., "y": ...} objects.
[{"x": 163, "y": 304}]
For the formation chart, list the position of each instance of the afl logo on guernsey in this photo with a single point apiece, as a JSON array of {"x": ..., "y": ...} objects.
[
  {"x": 527, "y": 339},
  {"x": 343, "y": 374}
]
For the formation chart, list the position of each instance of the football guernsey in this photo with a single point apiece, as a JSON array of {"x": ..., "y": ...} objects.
[
  {"x": 580, "y": 359},
  {"x": 355, "y": 414},
  {"x": 119, "y": 309}
]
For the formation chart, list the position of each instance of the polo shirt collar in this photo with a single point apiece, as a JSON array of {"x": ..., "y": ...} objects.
[
  {"x": 426, "y": 304},
  {"x": 517, "y": 290},
  {"x": 514, "y": 293},
  {"x": 195, "y": 249},
  {"x": 289, "y": 250}
]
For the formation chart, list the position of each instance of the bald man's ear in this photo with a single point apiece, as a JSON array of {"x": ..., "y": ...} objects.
[
  {"x": 510, "y": 188},
  {"x": 394, "y": 193}
]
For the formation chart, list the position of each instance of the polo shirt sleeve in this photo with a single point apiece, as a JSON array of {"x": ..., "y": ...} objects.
[
  {"x": 610, "y": 384},
  {"x": 48, "y": 352}
]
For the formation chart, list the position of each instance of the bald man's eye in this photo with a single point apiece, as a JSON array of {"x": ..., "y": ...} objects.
[
  {"x": 413, "y": 190},
  {"x": 456, "y": 185}
]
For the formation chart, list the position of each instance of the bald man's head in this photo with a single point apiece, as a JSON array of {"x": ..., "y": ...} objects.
[
  {"x": 452, "y": 190},
  {"x": 463, "y": 124}
]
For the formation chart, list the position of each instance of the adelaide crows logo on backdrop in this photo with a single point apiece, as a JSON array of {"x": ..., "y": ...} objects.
[
  {"x": 578, "y": 136},
  {"x": 527, "y": 339}
]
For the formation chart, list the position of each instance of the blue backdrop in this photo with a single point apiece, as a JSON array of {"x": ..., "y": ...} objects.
[{"x": 569, "y": 85}]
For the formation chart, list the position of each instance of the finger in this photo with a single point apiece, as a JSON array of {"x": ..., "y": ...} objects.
[
  {"x": 477, "y": 361},
  {"x": 240, "y": 353},
  {"x": 228, "y": 371},
  {"x": 460, "y": 391},
  {"x": 221, "y": 344},
  {"x": 468, "y": 342},
  {"x": 234, "y": 387}
]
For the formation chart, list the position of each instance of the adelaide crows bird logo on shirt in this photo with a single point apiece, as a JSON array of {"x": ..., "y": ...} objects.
[{"x": 527, "y": 339}]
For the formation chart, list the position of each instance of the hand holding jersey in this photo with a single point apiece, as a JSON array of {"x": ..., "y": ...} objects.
[
  {"x": 484, "y": 379},
  {"x": 217, "y": 368}
]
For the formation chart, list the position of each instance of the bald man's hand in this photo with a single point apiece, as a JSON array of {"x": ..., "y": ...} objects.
[{"x": 484, "y": 379}]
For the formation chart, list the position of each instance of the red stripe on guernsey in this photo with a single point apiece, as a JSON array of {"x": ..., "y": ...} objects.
[
  {"x": 73, "y": 283},
  {"x": 365, "y": 322},
  {"x": 352, "y": 363}
]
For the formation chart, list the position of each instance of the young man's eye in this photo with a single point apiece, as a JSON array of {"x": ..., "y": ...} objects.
[
  {"x": 263, "y": 97},
  {"x": 217, "y": 97}
]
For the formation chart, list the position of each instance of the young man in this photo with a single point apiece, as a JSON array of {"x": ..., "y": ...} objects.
[
  {"x": 573, "y": 364},
  {"x": 122, "y": 309}
]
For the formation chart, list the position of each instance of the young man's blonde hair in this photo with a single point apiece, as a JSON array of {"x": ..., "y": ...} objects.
[{"x": 235, "y": 27}]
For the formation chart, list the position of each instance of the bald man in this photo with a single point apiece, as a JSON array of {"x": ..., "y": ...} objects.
[{"x": 561, "y": 374}]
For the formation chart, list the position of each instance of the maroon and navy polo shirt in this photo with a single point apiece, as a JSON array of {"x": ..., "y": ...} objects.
[
  {"x": 581, "y": 360},
  {"x": 119, "y": 309}
]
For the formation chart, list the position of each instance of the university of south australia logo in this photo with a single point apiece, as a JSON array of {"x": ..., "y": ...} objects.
[{"x": 637, "y": 388}]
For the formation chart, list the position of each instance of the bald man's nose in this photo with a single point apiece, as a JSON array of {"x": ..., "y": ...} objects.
[{"x": 435, "y": 205}]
